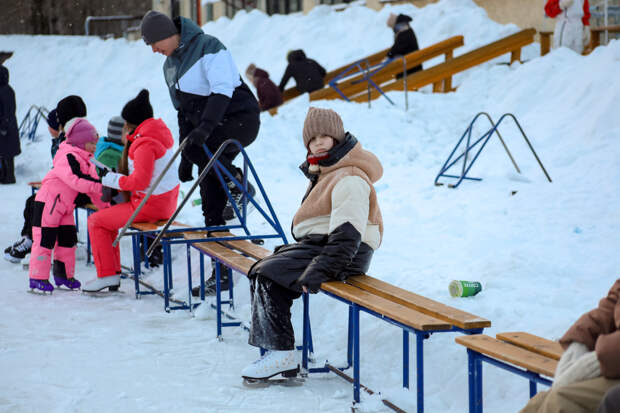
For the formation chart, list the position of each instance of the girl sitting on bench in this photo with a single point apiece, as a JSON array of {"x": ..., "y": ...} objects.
[{"x": 337, "y": 228}]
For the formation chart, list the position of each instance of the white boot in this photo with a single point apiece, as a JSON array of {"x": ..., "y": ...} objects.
[
  {"x": 99, "y": 283},
  {"x": 273, "y": 362}
]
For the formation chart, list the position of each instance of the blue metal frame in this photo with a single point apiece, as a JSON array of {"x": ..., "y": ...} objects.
[
  {"x": 353, "y": 347},
  {"x": 474, "y": 370},
  {"x": 367, "y": 75},
  {"x": 484, "y": 139},
  {"x": 30, "y": 122}
]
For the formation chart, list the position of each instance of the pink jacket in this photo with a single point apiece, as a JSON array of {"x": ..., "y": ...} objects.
[{"x": 72, "y": 174}]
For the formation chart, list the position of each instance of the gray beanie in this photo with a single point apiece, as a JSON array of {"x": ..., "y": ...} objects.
[
  {"x": 115, "y": 128},
  {"x": 322, "y": 122},
  {"x": 157, "y": 26}
]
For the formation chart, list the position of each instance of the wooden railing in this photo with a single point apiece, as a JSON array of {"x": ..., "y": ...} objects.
[
  {"x": 439, "y": 74},
  {"x": 354, "y": 85}
]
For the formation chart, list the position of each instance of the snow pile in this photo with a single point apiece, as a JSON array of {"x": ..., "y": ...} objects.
[{"x": 544, "y": 255}]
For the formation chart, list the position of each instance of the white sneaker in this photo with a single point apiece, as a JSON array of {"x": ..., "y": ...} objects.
[
  {"x": 99, "y": 283},
  {"x": 271, "y": 363}
]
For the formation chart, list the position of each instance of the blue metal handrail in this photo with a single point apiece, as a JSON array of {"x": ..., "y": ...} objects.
[
  {"x": 219, "y": 169},
  {"x": 30, "y": 122},
  {"x": 484, "y": 139},
  {"x": 367, "y": 73}
]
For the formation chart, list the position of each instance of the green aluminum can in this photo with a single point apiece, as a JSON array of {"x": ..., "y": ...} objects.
[{"x": 460, "y": 288}]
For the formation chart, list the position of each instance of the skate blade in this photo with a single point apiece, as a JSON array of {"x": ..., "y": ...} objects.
[
  {"x": 262, "y": 383},
  {"x": 286, "y": 378},
  {"x": 38, "y": 292},
  {"x": 11, "y": 259},
  {"x": 101, "y": 293}
]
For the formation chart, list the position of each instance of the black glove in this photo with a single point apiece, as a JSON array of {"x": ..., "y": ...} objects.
[
  {"x": 185, "y": 170},
  {"x": 107, "y": 194},
  {"x": 198, "y": 136}
]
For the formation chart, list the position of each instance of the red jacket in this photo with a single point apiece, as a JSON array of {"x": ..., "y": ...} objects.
[
  {"x": 552, "y": 8},
  {"x": 150, "y": 151}
]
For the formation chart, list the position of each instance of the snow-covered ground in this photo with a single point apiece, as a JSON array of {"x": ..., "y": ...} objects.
[{"x": 544, "y": 255}]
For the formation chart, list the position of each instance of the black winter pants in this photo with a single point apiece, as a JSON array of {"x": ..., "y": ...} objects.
[
  {"x": 611, "y": 401},
  {"x": 28, "y": 211},
  {"x": 242, "y": 127},
  {"x": 7, "y": 170},
  {"x": 271, "y": 326}
]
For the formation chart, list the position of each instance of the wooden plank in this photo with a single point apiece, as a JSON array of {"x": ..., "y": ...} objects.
[
  {"x": 511, "y": 354},
  {"x": 420, "y": 303},
  {"x": 229, "y": 257},
  {"x": 351, "y": 87},
  {"x": 245, "y": 246},
  {"x": 154, "y": 226},
  {"x": 539, "y": 345},
  {"x": 460, "y": 63},
  {"x": 395, "y": 311}
]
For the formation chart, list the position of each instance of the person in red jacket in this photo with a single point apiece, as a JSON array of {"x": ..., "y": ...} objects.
[
  {"x": 590, "y": 364},
  {"x": 269, "y": 95},
  {"x": 148, "y": 148},
  {"x": 572, "y": 28}
]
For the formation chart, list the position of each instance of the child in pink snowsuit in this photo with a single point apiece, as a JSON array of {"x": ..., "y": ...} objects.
[
  {"x": 53, "y": 227},
  {"x": 148, "y": 148}
]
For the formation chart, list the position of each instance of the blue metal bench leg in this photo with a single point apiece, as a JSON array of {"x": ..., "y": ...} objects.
[
  {"x": 350, "y": 339},
  {"x": 420, "y": 336},
  {"x": 479, "y": 384},
  {"x": 136, "y": 263},
  {"x": 218, "y": 298},
  {"x": 188, "y": 252},
  {"x": 202, "y": 277},
  {"x": 533, "y": 388},
  {"x": 306, "y": 323},
  {"x": 356, "y": 352},
  {"x": 405, "y": 359},
  {"x": 231, "y": 301},
  {"x": 167, "y": 275},
  {"x": 474, "y": 367}
]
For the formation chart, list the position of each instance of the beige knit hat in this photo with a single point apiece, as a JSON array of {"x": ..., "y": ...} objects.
[
  {"x": 249, "y": 72},
  {"x": 391, "y": 21},
  {"x": 322, "y": 122}
]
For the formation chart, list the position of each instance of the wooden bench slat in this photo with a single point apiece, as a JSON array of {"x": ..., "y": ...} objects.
[
  {"x": 417, "y": 302},
  {"x": 540, "y": 345},
  {"x": 245, "y": 246},
  {"x": 227, "y": 256},
  {"x": 154, "y": 226},
  {"x": 509, "y": 353},
  {"x": 395, "y": 311}
]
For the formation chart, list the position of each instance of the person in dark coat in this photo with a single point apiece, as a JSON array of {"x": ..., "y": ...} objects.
[
  {"x": 9, "y": 134},
  {"x": 308, "y": 74},
  {"x": 337, "y": 228},
  {"x": 269, "y": 95},
  {"x": 405, "y": 41}
]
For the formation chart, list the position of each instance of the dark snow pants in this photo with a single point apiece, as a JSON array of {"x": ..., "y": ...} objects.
[
  {"x": 271, "y": 326},
  {"x": 611, "y": 401},
  {"x": 273, "y": 289}
]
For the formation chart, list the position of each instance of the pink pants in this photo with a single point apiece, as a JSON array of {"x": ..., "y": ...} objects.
[
  {"x": 103, "y": 227},
  {"x": 53, "y": 230}
]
